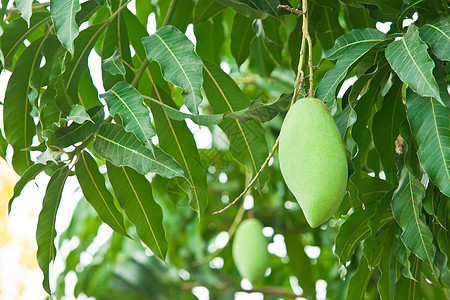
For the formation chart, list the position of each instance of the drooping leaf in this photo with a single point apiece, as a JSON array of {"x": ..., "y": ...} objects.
[
  {"x": 210, "y": 48},
  {"x": 409, "y": 58},
  {"x": 410, "y": 288},
  {"x": 92, "y": 184},
  {"x": 430, "y": 125},
  {"x": 385, "y": 286},
  {"x": 268, "y": 31},
  {"x": 123, "y": 148},
  {"x": 261, "y": 111},
  {"x": 87, "y": 92},
  {"x": 134, "y": 193},
  {"x": 63, "y": 15},
  {"x": 124, "y": 100},
  {"x": 328, "y": 28},
  {"x": 113, "y": 65},
  {"x": 406, "y": 208},
  {"x": 385, "y": 133},
  {"x": 25, "y": 8},
  {"x": 358, "y": 17},
  {"x": 437, "y": 34},
  {"x": 356, "y": 38},
  {"x": 260, "y": 60},
  {"x": 29, "y": 175},
  {"x": 18, "y": 123},
  {"x": 359, "y": 281},
  {"x": 352, "y": 232},
  {"x": 176, "y": 139},
  {"x": 116, "y": 40},
  {"x": 46, "y": 231},
  {"x": 74, "y": 133},
  {"x": 67, "y": 84},
  {"x": 350, "y": 48},
  {"x": 206, "y": 9},
  {"x": 179, "y": 63},
  {"x": 242, "y": 35},
  {"x": 3, "y": 145},
  {"x": 78, "y": 114},
  {"x": 255, "y": 9},
  {"x": 247, "y": 141},
  {"x": 17, "y": 31}
]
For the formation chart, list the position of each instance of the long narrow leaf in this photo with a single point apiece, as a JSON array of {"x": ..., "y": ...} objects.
[
  {"x": 63, "y": 14},
  {"x": 409, "y": 58},
  {"x": 18, "y": 123},
  {"x": 176, "y": 139},
  {"x": 46, "y": 231},
  {"x": 406, "y": 208},
  {"x": 124, "y": 149},
  {"x": 179, "y": 63},
  {"x": 247, "y": 141},
  {"x": 92, "y": 184},
  {"x": 124, "y": 100},
  {"x": 134, "y": 193},
  {"x": 437, "y": 34},
  {"x": 430, "y": 125},
  {"x": 350, "y": 49}
]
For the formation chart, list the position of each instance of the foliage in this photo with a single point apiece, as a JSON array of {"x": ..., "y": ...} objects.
[{"x": 389, "y": 238}]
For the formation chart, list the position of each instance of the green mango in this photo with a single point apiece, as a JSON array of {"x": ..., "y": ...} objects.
[
  {"x": 249, "y": 250},
  {"x": 312, "y": 159}
]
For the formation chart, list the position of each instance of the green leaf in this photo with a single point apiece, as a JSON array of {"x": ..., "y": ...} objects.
[
  {"x": 430, "y": 125},
  {"x": 87, "y": 92},
  {"x": 116, "y": 39},
  {"x": 46, "y": 231},
  {"x": 437, "y": 34},
  {"x": 26, "y": 177},
  {"x": 18, "y": 123},
  {"x": 350, "y": 48},
  {"x": 406, "y": 208},
  {"x": 327, "y": 28},
  {"x": 92, "y": 184},
  {"x": 356, "y": 38},
  {"x": 353, "y": 231},
  {"x": 176, "y": 139},
  {"x": 113, "y": 64},
  {"x": 255, "y": 9},
  {"x": 410, "y": 288},
  {"x": 124, "y": 100},
  {"x": 210, "y": 48},
  {"x": 261, "y": 111},
  {"x": 25, "y": 8},
  {"x": 78, "y": 114},
  {"x": 67, "y": 136},
  {"x": 247, "y": 141},
  {"x": 409, "y": 58},
  {"x": 134, "y": 193},
  {"x": 17, "y": 31},
  {"x": 175, "y": 114},
  {"x": 124, "y": 149},
  {"x": 179, "y": 63},
  {"x": 63, "y": 15},
  {"x": 385, "y": 286},
  {"x": 67, "y": 85},
  {"x": 242, "y": 35},
  {"x": 3, "y": 145},
  {"x": 260, "y": 60},
  {"x": 359, "y": 281},
  {"x": 206, "y": 9},
  {"x": 386, "y": 126}
]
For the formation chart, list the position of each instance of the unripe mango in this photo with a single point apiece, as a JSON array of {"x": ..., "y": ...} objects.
[
  {"x": 249, "y": 250},
  {"x": 313, "y": 161}
]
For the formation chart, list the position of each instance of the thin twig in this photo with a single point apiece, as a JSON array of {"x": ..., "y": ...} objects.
[
  {"x": 311, "y": 77},
  {"x": 290, "y": 9},
  {"x": 261, "y": 169}
]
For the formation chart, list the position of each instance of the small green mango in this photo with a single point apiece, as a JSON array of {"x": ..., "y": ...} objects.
[
  {"x": 249, "y": 250},
  {"x": 312, "y": 159}
]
